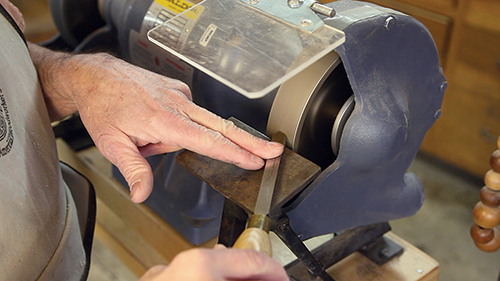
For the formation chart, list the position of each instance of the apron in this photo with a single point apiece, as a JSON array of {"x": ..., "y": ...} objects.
[{"x": 41, "y": 237}]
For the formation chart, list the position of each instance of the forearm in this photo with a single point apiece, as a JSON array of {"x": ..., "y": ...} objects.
[
  {"x": 65, "y": 77},
  {"x": 52, "y": 68}
]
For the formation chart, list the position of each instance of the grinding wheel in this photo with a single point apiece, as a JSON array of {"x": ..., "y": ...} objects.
[{"x": 311, "y": 109}]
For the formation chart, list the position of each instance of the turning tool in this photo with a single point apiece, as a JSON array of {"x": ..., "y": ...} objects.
[{"x": 256, "y": 235}]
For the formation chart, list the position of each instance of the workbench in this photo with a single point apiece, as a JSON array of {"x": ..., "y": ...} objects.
[{"x": 141, "y": 239}]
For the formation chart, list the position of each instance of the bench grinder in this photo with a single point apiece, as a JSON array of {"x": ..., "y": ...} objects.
[{"x": 359, "y": 110}]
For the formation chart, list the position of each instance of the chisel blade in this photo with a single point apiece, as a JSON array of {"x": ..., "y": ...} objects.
[{"x": 268, "y": 183}]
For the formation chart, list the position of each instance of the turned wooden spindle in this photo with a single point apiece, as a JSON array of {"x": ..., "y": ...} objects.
[
  {"x": 489, "y": 197},
  {"x": 495, "y": 161},
  {"x": 492, "y": 180},
  {"x": 486, "y": 213},
  {"x": 492, "y": 245},
  {"x": 486, "y": 216},
  {"x": 481, "y": 235}
]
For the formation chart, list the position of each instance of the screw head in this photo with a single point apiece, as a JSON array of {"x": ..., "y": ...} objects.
[
  {"x": 390, "y": 22},
  {"x": 294, "y": 4},
  {"x": 443, "y": 86},
  {"x": 437, "y": 114},
  {"x": 384, "y": 251},
  {"x": 305, "y": 22},
  {"x": 284, "y": 225}
]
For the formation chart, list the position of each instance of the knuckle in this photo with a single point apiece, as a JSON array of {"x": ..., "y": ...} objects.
[
  {"x": 199, "y": 257},
  {"x": 256, "y": 258},
  {"x": 256, "y": 261},
  {"x": 184, "y": 88},
  {"x": 177, "y": 88},
  {"x": 227, "y": 126},
  {"x": 222, "y": 145}
]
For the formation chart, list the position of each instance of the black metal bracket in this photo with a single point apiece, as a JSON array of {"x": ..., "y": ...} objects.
[
  {"x": 282, "y": 228},
  {"x": 337, "y": 248},
  {"x": 381, "y": 250}
]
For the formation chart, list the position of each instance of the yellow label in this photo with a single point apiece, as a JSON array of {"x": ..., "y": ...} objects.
[
  {"x": 179, "y": 6},
  {"x": 194, "y": 12}
]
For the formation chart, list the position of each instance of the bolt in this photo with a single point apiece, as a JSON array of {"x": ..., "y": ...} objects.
[
  {"x": 294, "y": 4},
  {"x": 437, "y": 114},
  {"x": 443, "y": 86},
  {"x": 322, "y": 9},
  {"x": 305, "y": 22},
  {"x": 419, "y": 271},
  {"x": 384, "y": 251},
  {"x": 284, "y": 225},
  {"x": 389, "y": 22}
]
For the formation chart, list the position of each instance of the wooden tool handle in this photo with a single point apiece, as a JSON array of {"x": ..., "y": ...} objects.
[{"x": 255, "y": 239}]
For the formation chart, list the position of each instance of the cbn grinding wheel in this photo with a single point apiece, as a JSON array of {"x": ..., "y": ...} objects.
[{"x": 312, "y": 107}]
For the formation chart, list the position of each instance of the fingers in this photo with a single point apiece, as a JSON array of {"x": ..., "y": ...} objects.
[
  {"x": 219, "y": 247},
  {"x": 157, "y": 148},
  {"x": 229, "y": 143},
  {"x": 124, "y": 154},
  {"x": 253, "y": 144},
  {"x": 218, "y": 265},
  {"x": 249, "y": 265},
  {"x": 222, "y": 264},
  {"x": 153, "y": 272},
  {"x": 213, "y": 144}
]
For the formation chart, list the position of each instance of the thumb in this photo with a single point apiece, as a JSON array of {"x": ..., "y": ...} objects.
[
  {"x": 136, "y": 170},
  {"x": 153, "y": 272}
]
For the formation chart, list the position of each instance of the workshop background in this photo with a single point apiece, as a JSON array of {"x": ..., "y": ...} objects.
[{"x": 455, "y": 154}]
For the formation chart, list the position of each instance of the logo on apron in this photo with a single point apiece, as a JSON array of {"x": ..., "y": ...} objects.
[{"x": 6, "y": 135}]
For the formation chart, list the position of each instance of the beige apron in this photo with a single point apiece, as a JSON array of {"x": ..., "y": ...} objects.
[{"x": 40, "y": 236}]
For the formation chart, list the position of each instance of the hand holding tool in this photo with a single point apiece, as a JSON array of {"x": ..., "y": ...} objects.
[{"x": 256, "y": 234}]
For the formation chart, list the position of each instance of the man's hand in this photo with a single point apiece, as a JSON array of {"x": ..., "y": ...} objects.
[
  {"x": 132, "y": 113},
  {"x": 220, "y": 264}
]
